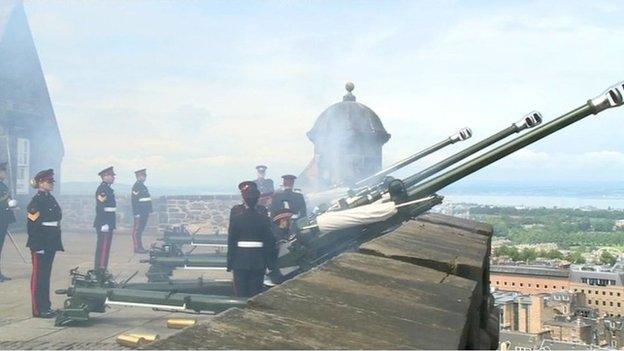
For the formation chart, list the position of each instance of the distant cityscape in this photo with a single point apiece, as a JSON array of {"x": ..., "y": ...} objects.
[{"x": 556, "y": 274}]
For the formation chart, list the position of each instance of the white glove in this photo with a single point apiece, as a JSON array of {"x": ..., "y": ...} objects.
[
  {"x": 12, "y": 203},
  {"x": 137, "y": 216},
  {"x": 40, "y": 252},
  {"x": 104, "y": 228}
]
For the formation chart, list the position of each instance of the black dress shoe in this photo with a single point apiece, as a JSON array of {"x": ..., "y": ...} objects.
[
  {"x": 47, "y": 314},
  {"x": 4, "y": 278}
]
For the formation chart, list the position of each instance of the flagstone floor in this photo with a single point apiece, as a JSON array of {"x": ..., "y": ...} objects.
[{"x": 19, "y": 330}]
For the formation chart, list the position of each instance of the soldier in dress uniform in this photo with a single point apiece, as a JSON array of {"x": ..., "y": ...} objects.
[
  {"x": 282, "y": 221},
  {"x": 265, "y": 185},
  {"x": 6, "y": 211},
  {"x": 288, "y": 198},
  {"x": 43, "y": 224},
  {"x": 105, "y": 218},
  {"x": 141, "y": 209},
  {"x": 251, "y": 245}
]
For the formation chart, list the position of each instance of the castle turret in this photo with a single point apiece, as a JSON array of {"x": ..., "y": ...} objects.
[{"x": 348, "y": 137}]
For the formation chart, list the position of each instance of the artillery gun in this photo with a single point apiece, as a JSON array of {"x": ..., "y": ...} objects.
[
  {"x": 330, "y": 233},
  {"x": 93, "y": 292},
  {"x": 378, "y": 178},
  {"x": 166, "y": 258},
  {"x": 182, "y": 236}
]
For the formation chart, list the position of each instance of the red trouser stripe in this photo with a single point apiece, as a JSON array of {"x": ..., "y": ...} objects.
[
  {"x": 104, "y": 250},
  {"x": 34, "y": 279}
]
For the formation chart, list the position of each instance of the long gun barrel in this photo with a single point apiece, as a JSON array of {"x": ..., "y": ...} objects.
[
  {"x": 85, "y": 299},
  {"x": 463, "y": 134},
  {"x": 531, "y": 120},
  {"x": 613, "y": 97}
]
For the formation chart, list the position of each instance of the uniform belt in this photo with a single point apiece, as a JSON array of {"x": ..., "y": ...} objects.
[
  {"x": 250, "y": 244},
  {"x": 50, "y": 224},
  {"x": 145, "y": 199},
  {"x": 110, "y": 209}
]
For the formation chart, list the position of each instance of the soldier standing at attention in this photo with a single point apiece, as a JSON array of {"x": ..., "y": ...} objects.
[
  {"x": 44, "y": 240},
  {"x": 105, "y": 218},
  {"x": 141, "y": 209},
  {"x": 288, "y": 198},
  {"x": 6, "y": 211},
  {"x": 265, "y": 185},
  {"x": 251, "y": 245}
]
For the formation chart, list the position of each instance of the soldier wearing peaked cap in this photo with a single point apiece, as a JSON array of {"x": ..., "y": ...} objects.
[
  {"x": 141, "y": 209},
  {"x": 287, "y": 198},
  {"x": 251, "y": 245},
  {"x": 105, "y": 218},
  {"x": 43, "y": 225},
  {"x": 6, "y": 211},
  {"x": 241, "y": 207},
  {"x": 265, "y": 186}
]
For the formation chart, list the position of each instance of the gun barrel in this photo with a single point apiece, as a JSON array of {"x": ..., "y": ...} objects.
[
  {"x": 613, "y": 97},
  {"x": 463, "y": 134},
  {"x": 162, "y": 299},
  {"x": 529, "y": 121}
]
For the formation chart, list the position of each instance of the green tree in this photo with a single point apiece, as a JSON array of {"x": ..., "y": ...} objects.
[
  {"x": 607, "y": 258},
  {"x": 576, "y": 257}
]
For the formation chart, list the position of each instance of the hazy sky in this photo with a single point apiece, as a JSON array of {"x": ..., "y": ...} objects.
[{"x": 200, "y": 92}]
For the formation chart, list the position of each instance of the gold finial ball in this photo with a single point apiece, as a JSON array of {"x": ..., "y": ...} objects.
[{"x": 349, "y": 86}]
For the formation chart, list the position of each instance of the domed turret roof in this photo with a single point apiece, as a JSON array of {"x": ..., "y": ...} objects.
[{"x": 348, "y": 116}]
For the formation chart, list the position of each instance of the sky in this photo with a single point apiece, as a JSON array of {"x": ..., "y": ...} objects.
[{"x": 199, "y": 92}]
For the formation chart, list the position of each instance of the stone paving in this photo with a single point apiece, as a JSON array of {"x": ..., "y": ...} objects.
[{"x": 19, "y": 330}]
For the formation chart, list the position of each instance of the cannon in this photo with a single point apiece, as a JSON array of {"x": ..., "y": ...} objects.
[
  {"x": 182, "y": 236},
  {"x": 372, "y": 194},
  {"x": 93, "y": 292},
  {"x": 319, "y": 198},
  {"x": 318, "y": 238},
  {"x": 327, "y": 234},
  {"x": 166, "y": 258}
]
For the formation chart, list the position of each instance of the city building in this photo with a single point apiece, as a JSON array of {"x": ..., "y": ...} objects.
[
  {"x": 602, "y": 286},
  {"x": 529, "y": 279}
]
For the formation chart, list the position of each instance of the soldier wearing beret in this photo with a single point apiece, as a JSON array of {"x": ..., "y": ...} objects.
[
  {"x": 43, "y": 225},
  {"x": 141, "y": 209},
  {"x": 251, "y": 245},
  {"x": 6, "y": 211},
  {"x": 105, "y": 218},
  {"x": 287, "y": 198},
  {"x": 265, "y": 186}
]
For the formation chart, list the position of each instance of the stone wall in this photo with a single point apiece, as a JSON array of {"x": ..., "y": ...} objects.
[{"x": 208, "y": 213}]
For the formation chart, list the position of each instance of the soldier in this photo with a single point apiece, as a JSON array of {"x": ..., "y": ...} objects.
[
  {"x": 141, "y": 209},
  {"x": 265, "y": 185},
  {"x": 6, "y": 211},
  {"x": 44, "y": 240},
  {"x": 281, "y": 224},
  {"x": 105, "y": 218},
  {"x": 251, "y": 245},
  {"x": 288, "y": 198}
]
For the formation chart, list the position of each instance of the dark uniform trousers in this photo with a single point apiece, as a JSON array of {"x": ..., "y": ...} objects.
[
  {"x": 105, "y": 209},
  {"x": 44, "y": 236},
  {"x": 40, "y": 281},
  {"x": 102, "y": 249},
  {"x": 4, "y": 227},
  {"x": 248, "y": 283},
  {"x": 251, "y": 249},
  {"x": 140, "y": 222},
  {"x": 141, "y": 209}
]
